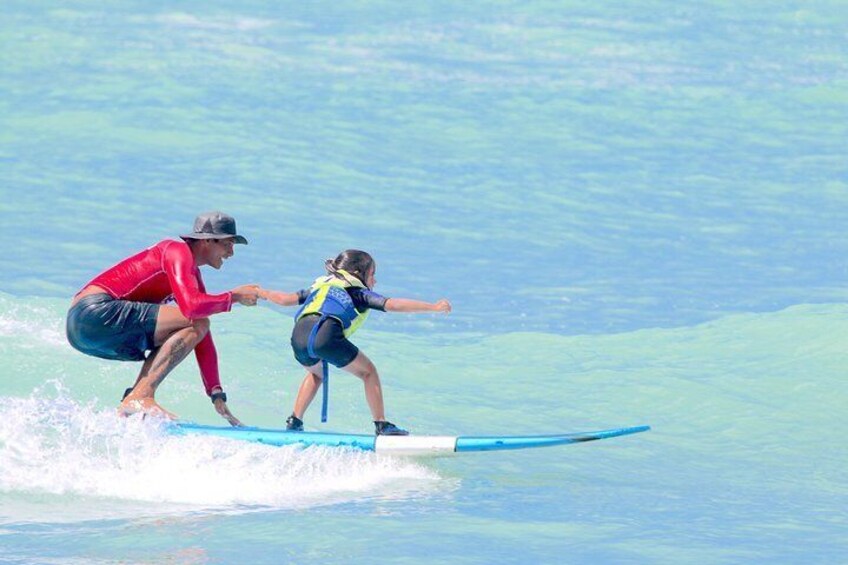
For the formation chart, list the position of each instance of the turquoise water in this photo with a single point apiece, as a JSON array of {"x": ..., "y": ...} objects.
[{"x": 636, "y": 209}]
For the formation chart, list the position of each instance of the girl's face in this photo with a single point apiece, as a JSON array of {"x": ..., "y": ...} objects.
[{"x": 370, "y": 281}]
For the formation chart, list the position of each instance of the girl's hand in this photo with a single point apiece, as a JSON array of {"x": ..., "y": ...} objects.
[
  {"x": 410, "y": 305},
  {"x": 277, "y": 297},
  {"x": 442, "y": 306}
]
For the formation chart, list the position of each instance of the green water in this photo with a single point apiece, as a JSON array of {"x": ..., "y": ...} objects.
[{"x": 637, "y": 211}]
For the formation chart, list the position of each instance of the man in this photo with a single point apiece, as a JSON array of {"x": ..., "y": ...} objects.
[{"x": 121, "y": 315}]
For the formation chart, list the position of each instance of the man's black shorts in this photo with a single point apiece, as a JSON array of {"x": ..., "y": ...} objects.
[{"x": 108, "y": 328}]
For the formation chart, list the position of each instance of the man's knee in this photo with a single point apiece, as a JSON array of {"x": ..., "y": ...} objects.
[{"x": 201, "y": 326}]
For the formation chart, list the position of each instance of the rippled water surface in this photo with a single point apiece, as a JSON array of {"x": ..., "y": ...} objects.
[{"x": 637, "y": 211}]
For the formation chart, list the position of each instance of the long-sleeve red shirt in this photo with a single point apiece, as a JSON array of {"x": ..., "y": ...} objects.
[{"x": 167, "y": 270}]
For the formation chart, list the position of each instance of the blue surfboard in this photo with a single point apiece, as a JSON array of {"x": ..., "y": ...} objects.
[{"x": 402, "y": 445}]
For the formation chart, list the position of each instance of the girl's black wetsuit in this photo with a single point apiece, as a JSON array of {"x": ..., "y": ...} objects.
[{"x": 330, "y": 341}]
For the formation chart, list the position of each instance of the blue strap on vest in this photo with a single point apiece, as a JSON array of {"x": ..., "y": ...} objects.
[
  {"x": 325, "y": 368},
  {"x": 338, "y": 305}
]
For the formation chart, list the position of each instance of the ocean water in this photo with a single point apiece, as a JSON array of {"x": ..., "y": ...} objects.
[{"x": 637, "y": 210}]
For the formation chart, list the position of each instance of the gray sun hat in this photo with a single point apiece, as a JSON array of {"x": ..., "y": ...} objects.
[{"x": 215, "y": 225}]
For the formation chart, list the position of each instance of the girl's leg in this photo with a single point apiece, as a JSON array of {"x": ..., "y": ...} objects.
[
  {"x": 362, "y": 367},
  {"x": 306, "y": 393}
]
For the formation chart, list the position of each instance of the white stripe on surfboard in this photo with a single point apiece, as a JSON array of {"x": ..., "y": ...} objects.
[{"x": 415, "y": 444}]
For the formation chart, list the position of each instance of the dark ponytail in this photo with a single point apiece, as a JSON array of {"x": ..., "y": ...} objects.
[{"x": 357, "y": 263}]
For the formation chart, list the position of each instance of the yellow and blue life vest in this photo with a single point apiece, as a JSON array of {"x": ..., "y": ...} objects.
[{"x": 328, "y": 297}]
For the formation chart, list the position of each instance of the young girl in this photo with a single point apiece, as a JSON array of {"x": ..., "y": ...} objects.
[{"x": 332, "y": 309}]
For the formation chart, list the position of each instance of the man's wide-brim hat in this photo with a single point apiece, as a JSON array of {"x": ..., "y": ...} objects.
[{"x": 215, "y": 225}]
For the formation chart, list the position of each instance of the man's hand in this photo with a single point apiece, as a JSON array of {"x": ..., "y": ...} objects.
[
  {"x": 246, "y": 295},
  {"x": 223, "y": 410}
]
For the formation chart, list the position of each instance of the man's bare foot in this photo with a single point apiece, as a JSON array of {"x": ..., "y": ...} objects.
[{"x": 147, "y": 406}]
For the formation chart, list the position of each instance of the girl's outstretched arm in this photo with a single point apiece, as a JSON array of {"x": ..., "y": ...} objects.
[
  {"x": 277, "y": 297},
  {"x": 409, "y": 305}
]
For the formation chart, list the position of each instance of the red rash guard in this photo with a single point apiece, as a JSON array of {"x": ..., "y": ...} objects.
[{"x": 167, "y": 270}]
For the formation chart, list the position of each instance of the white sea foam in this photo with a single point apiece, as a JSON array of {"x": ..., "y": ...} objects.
[
  {"x": 57, "y": 446},
  {"x": 30, "y": 321},
  {"x": 235, "y": 23}
]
